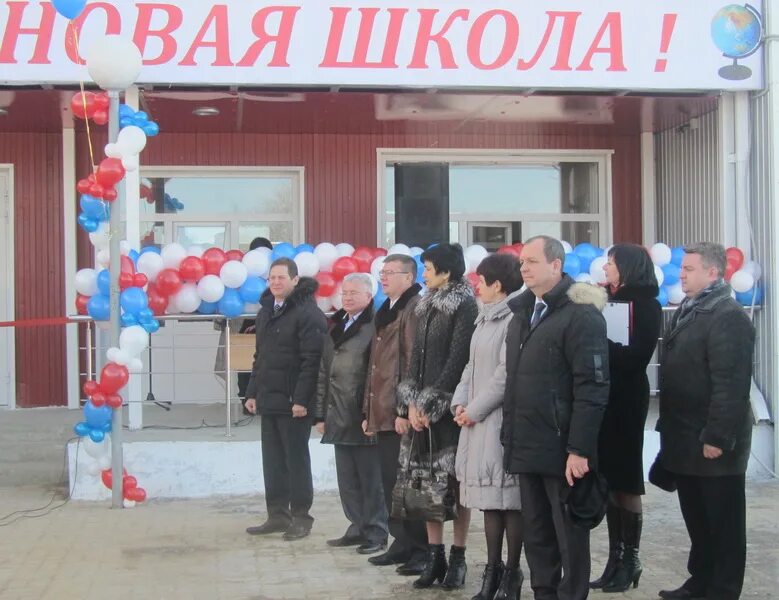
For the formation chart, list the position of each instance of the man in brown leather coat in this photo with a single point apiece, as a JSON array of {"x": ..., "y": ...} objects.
[{"x": 389, "y": 359}]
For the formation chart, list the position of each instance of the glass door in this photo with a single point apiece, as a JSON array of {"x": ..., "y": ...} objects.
[
  {"x": 205, "y": 235},
  {"x": 490, "y": 235}
]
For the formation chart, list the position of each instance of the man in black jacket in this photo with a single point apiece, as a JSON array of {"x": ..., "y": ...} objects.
[
  {"x": 290, "y": 332},
  {"x": 557, "y": 389},
  {"x": 705, "y": 423}
]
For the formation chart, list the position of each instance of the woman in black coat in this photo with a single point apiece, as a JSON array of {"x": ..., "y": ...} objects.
[
  {"x": 630, "y": 277},
  {"x": 446, "y": 317}
]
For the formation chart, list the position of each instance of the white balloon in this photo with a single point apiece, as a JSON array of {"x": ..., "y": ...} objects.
[
  {"x": 251, "y": 308},
  {"x": 131, "y": 162},
  {"x": 133, "y": 340},
  {"x": 400, "y": 249},
  {"x": 374, "y": 285},
  {"x": 114, "y": 62},
  {"x": 324, "y": 304},
  {"x": 659, "y": 275},
  {"x": 753, "y": 268},
  {"x": 336, "y": 300},
  {"x": 566, "y": 246},
  {"x": 376, "y": 266},
  {"x": 113, "y": 151},
  {"x": 86, "y": 282},
  {"x": 96, "y": 449},
  {"x": 263, "y": 250},
  {"x": 132, "y": 139},
  {"x": 172, "y": 308},
  {"x": 135, "y": 365},
  {"x": 118, "y": 356},
  {"x": 103, "y": 258},
  {"x": 660, "y": 253},
  {"x": 596, "y": 269},
  {"x": 233, "y": 273},
  {"x": 415, "y": 250},
  {"x": 101, "y": 238},
  {"x": 327, "y": 254},
  {"x": 128, "y": 503},
  {"x": 150, "y": 264},
  {"x": 741, "y": 281},
  {"x": 210, "y": 288},
  {"x": 124, "y": 247},
  {"x": 584, "y": 278},
  {"x": 172, "y": 255},
  {"x": 308, "y": 264},
  {"x": 105, "y": 460},
  {"x": 344, "y": 249},
  {"x": 473, "y": 256},
  {"x": 195, "y": 251},
  {"x": 187, "y": 299},
  {"x": 93, "y": 469},
  {"x": 676, "y": 294},
  {"x": 257, "y": 262}
]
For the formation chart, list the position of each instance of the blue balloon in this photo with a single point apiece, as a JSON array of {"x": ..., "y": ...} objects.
[
  {"x": 69, "y": 9},
  {"x": 677, "y": 254},
  {"x": 154, "y": 249},
  {"x": 379, "y": 298},
  {"x": 141, "y": 116},
  {"x": 82, "y": 429},
  {"x": 94, "y": 207},
  {"x": 670, "y": 274},
  {"x": 208, "y": 308},
  {"x": 87, "y": 223},
  {"x": 152, "y": 326},
  {"x": 104, "y": 282},
  {"x": 304, "y": 248},
  {"x": 231, "y": 304},
  {"x": 126, "y": 122},
  {"x": 133, "y": 254},
  {"x": 129, "y": 319},
  {"x": 134, "y": 300},
  {"x": 106, "y": 426},
  {"x": 96, "y": 416},
  {"x": 145, "y": 315},
  {"x": 572, "y": 265},
  {"x": 150, "y": 128},
  {"x": 125, "y": 110},
  {"x": 99, "y": 307},
  {"x": 662, "y": 296},
  {"x": 586, "y": 253},
  {"x": 283, "y": 250},
  {"x": 96, "y": 435},
  {"x": 745, "y": 298},
  {"x": 252, "y": 289}
]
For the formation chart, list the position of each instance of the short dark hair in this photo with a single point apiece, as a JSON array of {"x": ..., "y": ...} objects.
[
  {"x": 503, "y": 268},
  {"x": 260, "y": 242},
  {"x": 292, "y": 266},
  {"x": 634, "y": 265},
  {"x": 408, "y": 262},
  {"x": 712, "y": 255},
  {"x": 553, "y": 248},
  {"x": 446, "y": 258}
]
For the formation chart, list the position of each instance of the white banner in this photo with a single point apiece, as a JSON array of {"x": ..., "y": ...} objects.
[{"x": 556, "y": 44}]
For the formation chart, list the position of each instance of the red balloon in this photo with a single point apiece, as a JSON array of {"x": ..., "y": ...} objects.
[
  {"x": 234, "y": 255},
  {"x": 83, "y": 186},
  {"x": 735, "y": 255},
  {"x": 126, "y": 280},
  {"x": 473, "y": 279},
  {"x": 110, "y": 194},
  {"x": 377, "y": 252},
  {"x": 327, "y": 284},
  {"x": 344, "y": 266},
  {"x": 113, "y": 378},
  {"x": 213, "y": 260},
  {"x": 102, "y": 102},
  {"x": 513, "y": 250},
  {"x": 100, "y": 117},
  {"x": 109, "y": 172},
  {"x": 136, "y": 494},
  {"x": 168, "y": 282},
  {"x": 129, "y": 482},
  {"x": 140, "y": 280},
  {"x": 192, "y": 269},
  {"x": 81, "y": 304},
  {"x": 98, "y": 398},
  {"x": 364, "y": 257},
  {"x": 107, "y": 478},
  {"x": 96, "y": 190},
  {"x": 157, "y": 302},
  {"x": 90, "y": 387},
  {"x": 113, "y": 400},
  {"x": 83, "y": 105},
  {"x": 730, "y": 269},
  {"x": 127, "y": 265}
]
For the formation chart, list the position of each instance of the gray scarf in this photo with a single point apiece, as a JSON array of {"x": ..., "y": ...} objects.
[{"x": 687, "y": 307}]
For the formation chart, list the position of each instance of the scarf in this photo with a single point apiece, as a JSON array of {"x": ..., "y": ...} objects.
[{"x": 687, "y": 307}]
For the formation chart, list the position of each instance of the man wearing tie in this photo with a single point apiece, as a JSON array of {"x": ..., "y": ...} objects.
[
  {"x": 290, "y": 330},
  {"x": 338, "y": 413}
]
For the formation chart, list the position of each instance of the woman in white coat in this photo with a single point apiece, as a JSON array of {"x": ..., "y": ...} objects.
[{"x": 477, "y": 406}]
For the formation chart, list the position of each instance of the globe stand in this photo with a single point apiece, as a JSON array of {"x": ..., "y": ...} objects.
[{"x": 735, "y": 71}]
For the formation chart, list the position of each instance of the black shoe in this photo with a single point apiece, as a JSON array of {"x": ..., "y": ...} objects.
[
  {"x": 296, "y": 531},
  {"x": 629, "y": 569},
  {"x": 682, "y": 593},
  {"x": 490, "y": 581},
  {"x": 614, "y": 522},
  {"x": 510, "y": 585},
  {"x": 371, "y": 547},
  {"x": 269, "y": 526},
  {"x": 388, "y": 558},
  {"x": 455, "y": 574},
  {"x": 413, "y": 566},
  {"x": 435, "y": 567},
  {"x": 346, "y": 540}
]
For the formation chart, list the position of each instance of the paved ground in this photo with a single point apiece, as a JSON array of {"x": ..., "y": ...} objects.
[{"x": 197, "y": 549}]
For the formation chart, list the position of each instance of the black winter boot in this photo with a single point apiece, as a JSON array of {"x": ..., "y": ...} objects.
[
  {"x": 511, "y": 585},
  {"x": 614, "y": 523},
  {"x": 435, "y": 566},
  {"x": 490, "y": 581},
  {"x": 455, "y": 574},
  {"x": 629, "y": 569}
]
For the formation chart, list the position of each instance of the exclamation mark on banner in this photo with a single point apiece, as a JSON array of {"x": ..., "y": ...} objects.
[{"x": 669, "y": 22}]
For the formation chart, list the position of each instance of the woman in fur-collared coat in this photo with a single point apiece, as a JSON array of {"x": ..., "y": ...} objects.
[{"x": 446, "y": 316}]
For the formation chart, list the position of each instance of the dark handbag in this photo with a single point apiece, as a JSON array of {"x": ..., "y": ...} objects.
[
  {"x": 660, "y": 476},
  {"x": 423, "y": 495}
]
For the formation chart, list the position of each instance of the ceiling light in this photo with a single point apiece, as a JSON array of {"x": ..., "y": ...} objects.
[{"x": 206, "y": 111}]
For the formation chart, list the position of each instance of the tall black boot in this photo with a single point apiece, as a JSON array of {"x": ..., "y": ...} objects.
[
  {"x": 455, "y": 574},
  {"x": 510, "y": 585},
  {"x": 435, "y": 566},
  {"x": 490, "y": 581},
  {"x": 614, "y": 523},
  {"x": 629, "y": 569}
]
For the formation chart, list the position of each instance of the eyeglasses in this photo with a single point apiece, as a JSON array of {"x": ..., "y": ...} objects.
[{"x": 389, "y": 273}]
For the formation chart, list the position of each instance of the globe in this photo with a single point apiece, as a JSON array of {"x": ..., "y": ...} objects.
[{"x": 737, "y": 32}]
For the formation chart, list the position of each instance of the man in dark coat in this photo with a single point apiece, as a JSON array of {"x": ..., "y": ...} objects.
[
  {"x": 556, "y": 392},
  {"x": 338, "y": 413},
  {"x": 705, "y": 423},
  {"x": 290, "y": 331}
]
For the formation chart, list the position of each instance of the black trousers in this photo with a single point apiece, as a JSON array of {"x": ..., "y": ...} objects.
[
  {"x": 410, "y": 536},
  {"x": 714, "y": 511},
  {"x": 360, "y": 488},
  {"x": 286, "y": 468},
  {"x": 557, "y": 551}
]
